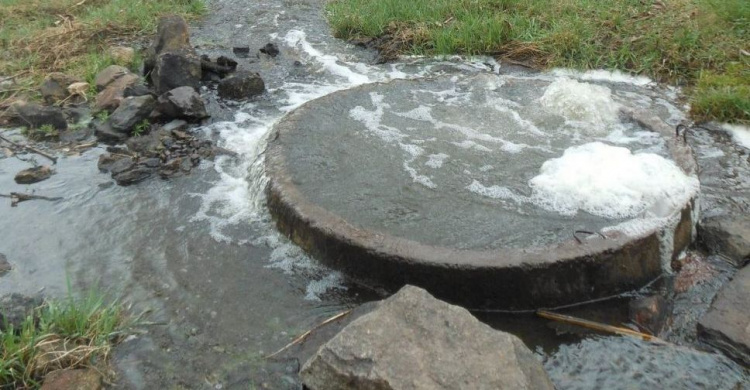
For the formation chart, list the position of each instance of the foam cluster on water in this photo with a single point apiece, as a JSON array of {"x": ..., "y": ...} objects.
[
  {"x": 587, "y": 104},
  {"x": 740, "y": 134},
  {"x": 611, "y": 182}
]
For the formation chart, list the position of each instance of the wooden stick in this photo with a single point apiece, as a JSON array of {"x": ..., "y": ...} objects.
[
  {"x": 597, "y": 326},
  {"x": 17, "y": 197},
  {"x": 31, "y": 149},
  {"x": 303, "y": 336}
]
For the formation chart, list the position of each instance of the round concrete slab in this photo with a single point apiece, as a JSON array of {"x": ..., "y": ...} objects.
[{"x": 427, "y": 182}]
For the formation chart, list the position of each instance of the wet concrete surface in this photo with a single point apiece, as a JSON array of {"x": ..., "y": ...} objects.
[{"x": 222, "y": 287}]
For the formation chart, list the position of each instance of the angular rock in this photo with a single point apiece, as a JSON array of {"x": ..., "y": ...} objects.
[
  {"x": 106, "y": 161},
  {"x": 55, "y": 87},
  {"x": 14, "y": 308},
  {"x": 108, "y": 75},
  {"x": 726, "y": 325},
  {"x": 136, "y": 90},
  {"x": 111, "y": 97},
  {"x": 181, "y": 103},
  {"x": 727, "y": 235},
  {"x": 133, "y": 176},
  {"x": 5, "y": 266},
  {"x": 172, "y": 34},
  {"x": 122, "y": 165},
  {"x": 35, "y": 116},
  {"x": 179, "y": 68},
  {"x": 104, "y": 133},
  {"x": 242, "y": 85},
  {"x": 414, "y": 341},
  {"x": 241, "y": 51},
  {"x": 33, "y": 175},
  {"x": 270, "y": 49},
  {"x": 82, "y": 379},
  {"x": 122, "y": 55},
  {"x": 131, "y": 112}
]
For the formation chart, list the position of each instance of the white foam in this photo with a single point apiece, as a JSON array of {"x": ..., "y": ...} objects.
[
  {"x": 297, "y": 38},
  {"x": 436, "y": 160},
  {"x": 496, "y": 192},
  {"x": 614, "y": 76},
  {"x": 740, "y": 134},
  {"x": 611, "y": 182},
  {"x": 331, "y": 281},
  {"x": 590, "y": 106}
]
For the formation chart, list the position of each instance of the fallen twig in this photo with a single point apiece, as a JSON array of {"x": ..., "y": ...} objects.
[
  {"x": 303, "y": 336},
  {"x": 597, "y": 326},
  {"x": 17, "y": 197},
  {"x": 31, "y": 149}
]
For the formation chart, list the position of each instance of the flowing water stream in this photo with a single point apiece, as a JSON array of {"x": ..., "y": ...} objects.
[{"x": 225, "y": 288}]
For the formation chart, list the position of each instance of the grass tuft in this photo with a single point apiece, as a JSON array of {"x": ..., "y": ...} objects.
[
  {"x": 70, "y": 333},
  {"x": 38, "y": 37},
  {"x": 691, "y": 43}
]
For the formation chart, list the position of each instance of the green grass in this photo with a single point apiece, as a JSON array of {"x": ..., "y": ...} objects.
[
  {"x": 38, "y": 37},
  {"x": 692, "y": 43},
  {"x": 66, "y": 333}
]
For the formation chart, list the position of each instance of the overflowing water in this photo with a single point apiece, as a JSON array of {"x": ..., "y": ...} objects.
[{"x": 202, "y": 253}]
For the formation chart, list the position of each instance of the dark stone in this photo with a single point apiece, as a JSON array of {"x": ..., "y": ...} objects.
[
  {"x": 109, "y": 75},
  {"x": 220, "y": 70},
  {"x": 241, "y": 85},
  {"x": 79, "y": 379},
  {"x": 728, "y": 236},
  {"x": 650, "y": 314},
  {"x": 151, "y": 163},
  {"x": 136, "y": 90},
  {"x": 33, "y": 175},
  {"x": 131, "y": 112},
  {"x": 180, "y": 68},
  {"x": 5, "y": 266},
  {"x": 241, "y": 51},
  {"x": 181, "y": 103},
  {"x": 133, "y": 176},
  {"x": 104, "y": 133},
  {"x": 460, "y": 351},
  {"x": 147, "y": 145},
  {"x": 210, "y": 77},
  {"x": 172, "y": 34},
  {"x": 54, "y": 88},
  {"x": 227, "y": 62},
  {"x": 14, "y": 309},
  {"x": 106, "y": 161},
  {"x": 35, "y": 116},
  {"x": 270, "y": 49},
  {"x": 75, "y": 136},
  {"x": 121, "y": 165},
  {"x": 726, "y": 325}
]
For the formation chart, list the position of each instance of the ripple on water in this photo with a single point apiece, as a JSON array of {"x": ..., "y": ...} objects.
[{"x": 625, "y": 363}]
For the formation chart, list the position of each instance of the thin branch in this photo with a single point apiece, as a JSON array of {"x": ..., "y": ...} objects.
[{"x": 31, "y": 149}]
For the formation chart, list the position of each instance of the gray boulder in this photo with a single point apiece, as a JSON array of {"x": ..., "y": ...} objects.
[
  {"x": 727, "y": 235},
  {"x": 179, "y": 68},
  {"x": 726, "y": 325},
  {"x": 33, "y": 175},
  {"x": 14, "y": 308},
  {"x": 119, "y": 125},
  {"x": 414, "y": 341},
  {"x": 34, "y": 116},
  {"x": 114, "y": 92},
  {"x": 181, "y": 103},
  {"x": 172, "y": 33},
  {"x": 108, "y": 75},
  {"x": 240, "y": 86}
]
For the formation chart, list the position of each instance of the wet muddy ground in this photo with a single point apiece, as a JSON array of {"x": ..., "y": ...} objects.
[{"x": 224, "y": 289}]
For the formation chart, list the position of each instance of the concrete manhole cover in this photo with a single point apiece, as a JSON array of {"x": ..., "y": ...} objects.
[{"x": 488, "y": 191}]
